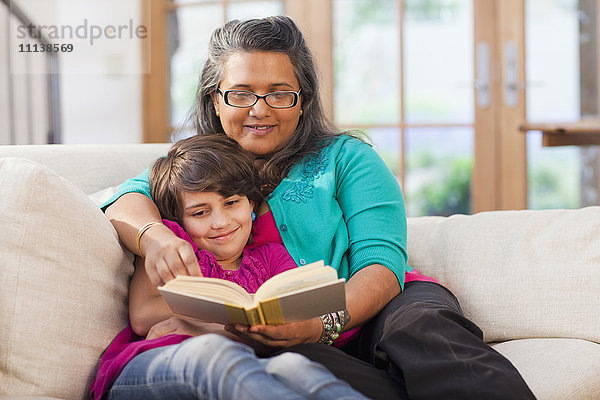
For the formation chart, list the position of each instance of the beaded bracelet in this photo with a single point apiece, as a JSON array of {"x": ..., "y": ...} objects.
[{"x": 333, "y": 325}]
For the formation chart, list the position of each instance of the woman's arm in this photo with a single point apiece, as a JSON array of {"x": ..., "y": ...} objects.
[
  {"x": 368, "y": 291},
  {"x": 373, "y": 209},
  {"x": 164, "y": 253}
]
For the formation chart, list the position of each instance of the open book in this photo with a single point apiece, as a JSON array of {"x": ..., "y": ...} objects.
[{"x": 293, "y": 295}]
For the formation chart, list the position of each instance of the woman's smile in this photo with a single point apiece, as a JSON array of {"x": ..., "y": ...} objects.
[{"x": 260, "y": 129}]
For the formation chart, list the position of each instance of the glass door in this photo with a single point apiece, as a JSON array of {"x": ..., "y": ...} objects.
[
  {"x": 403, "y": 75},
  {"x": 440, "y": 87},
  {"x": 544, "y": 69},
  {"x": 562, "y": 71}
]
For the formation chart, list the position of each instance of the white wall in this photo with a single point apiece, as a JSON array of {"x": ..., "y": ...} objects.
[{"x": 101, "y": 80}]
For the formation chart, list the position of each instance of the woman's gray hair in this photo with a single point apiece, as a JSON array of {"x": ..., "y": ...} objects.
[{"x": 272, "y": 34}]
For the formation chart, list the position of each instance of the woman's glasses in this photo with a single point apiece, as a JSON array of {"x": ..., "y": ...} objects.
[{"x": 242, "y": 98}]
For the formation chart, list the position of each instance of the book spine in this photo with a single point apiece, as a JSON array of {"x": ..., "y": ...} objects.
[
  {"x": 271, "y": 311},
  {"x": 261, "y": 315},
  {"x": 253, "y": 316}
]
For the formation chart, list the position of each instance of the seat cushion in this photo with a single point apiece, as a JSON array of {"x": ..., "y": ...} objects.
[
  {"x": 64, "y": 281},
  {"x": 556, "y": 369}
]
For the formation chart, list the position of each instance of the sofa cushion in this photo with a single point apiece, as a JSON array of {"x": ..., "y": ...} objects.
[
  {"x": 517, "y": 274},
  {"x": 556, "y": 369},
  {"x": 63, "y": 283}
]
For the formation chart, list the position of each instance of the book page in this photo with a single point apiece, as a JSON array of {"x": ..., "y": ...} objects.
[
  {"x": 296, "y": 279},
  {"x": 212, "y": 288}
]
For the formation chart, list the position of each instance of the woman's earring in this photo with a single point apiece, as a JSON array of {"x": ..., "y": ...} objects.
[
  {"x": 300, "y": 112},
  {"x": 253, "y": 215},
  {"x": 218, "y": 113}
]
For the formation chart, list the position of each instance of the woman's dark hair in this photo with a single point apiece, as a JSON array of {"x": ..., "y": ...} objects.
[
  {"x": 272, "y": 34},
  {"x": 203, "y": 163}
]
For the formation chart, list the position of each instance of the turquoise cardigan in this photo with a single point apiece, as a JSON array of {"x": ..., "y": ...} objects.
[{"x": 342, "y": 205}]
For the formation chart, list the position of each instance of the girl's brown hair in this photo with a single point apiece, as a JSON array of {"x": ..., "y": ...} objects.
[{"x": 202, "y": 163}]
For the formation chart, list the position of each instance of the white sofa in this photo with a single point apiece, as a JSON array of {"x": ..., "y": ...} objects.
[{"x": 529, "y": 279}]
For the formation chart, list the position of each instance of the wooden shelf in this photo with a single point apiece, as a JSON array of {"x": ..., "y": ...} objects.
[{"x": 581, "y": 133}]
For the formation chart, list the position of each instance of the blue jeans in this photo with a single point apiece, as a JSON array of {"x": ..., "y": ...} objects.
[{"x": 214, "y": 367}]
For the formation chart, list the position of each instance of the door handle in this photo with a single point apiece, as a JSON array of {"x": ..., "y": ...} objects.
[
  {"x": 512, "y": 85},
  {"x": 483, "y": 80}
]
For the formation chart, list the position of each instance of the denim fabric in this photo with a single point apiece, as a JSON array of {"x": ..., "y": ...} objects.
[{"x": 214, "y": 367}]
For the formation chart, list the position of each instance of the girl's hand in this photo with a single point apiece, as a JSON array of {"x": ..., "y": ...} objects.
[
  {"x": 167, "y": 255},
  {"x": 181, "y": 326},
  {"x": 278, "y": 336}
]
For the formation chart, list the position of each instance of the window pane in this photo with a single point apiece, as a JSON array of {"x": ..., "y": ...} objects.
[
  {"x": 553, "y": 175},
  {"x": 438, "y": 171},
  {"x": 552, "y": 68},
  {"x": 192, "y": 1},
  {"x": 553, "y": 94},
  {"x": 366, "y": 62},
  {"x": 255, "y": 9},
  {"x": 191, "y": 28},
  {"x": 438, "y": 61},
  {"x": 387, "y": 143}
]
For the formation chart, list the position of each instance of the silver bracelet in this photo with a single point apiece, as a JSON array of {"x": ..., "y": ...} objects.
[{"x": 333, "y": 325}]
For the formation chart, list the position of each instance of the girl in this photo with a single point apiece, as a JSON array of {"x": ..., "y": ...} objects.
[{"x": 206, "y": 188}]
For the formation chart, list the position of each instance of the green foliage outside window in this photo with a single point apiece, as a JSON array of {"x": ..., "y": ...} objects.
[{"x": 445, "y": 187}]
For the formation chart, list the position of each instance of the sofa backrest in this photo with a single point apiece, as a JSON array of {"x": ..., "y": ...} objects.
[
  {"x": 91, "y": 167},
  {"x": 517, "y": 274}
]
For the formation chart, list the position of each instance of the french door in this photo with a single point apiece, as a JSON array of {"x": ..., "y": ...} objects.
[{"x": 440, "y": 87}]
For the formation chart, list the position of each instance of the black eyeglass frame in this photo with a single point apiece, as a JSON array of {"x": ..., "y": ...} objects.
[{"x": 225, "y": 95}]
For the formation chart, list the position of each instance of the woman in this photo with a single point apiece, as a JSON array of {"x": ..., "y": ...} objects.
[{"x": 330, "y": 197}]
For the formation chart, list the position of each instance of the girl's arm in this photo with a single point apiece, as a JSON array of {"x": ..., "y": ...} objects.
[
  {"x": 151, "y": 317},
  {"x": 146, "y": 306},
  {"x": 164, "y": 253}
]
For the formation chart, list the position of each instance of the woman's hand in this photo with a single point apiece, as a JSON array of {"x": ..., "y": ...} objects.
[
  {"x": 278, "y": 336},
  {"x": 181, "y": 326},
  {"x": 166, "y": 255}
]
